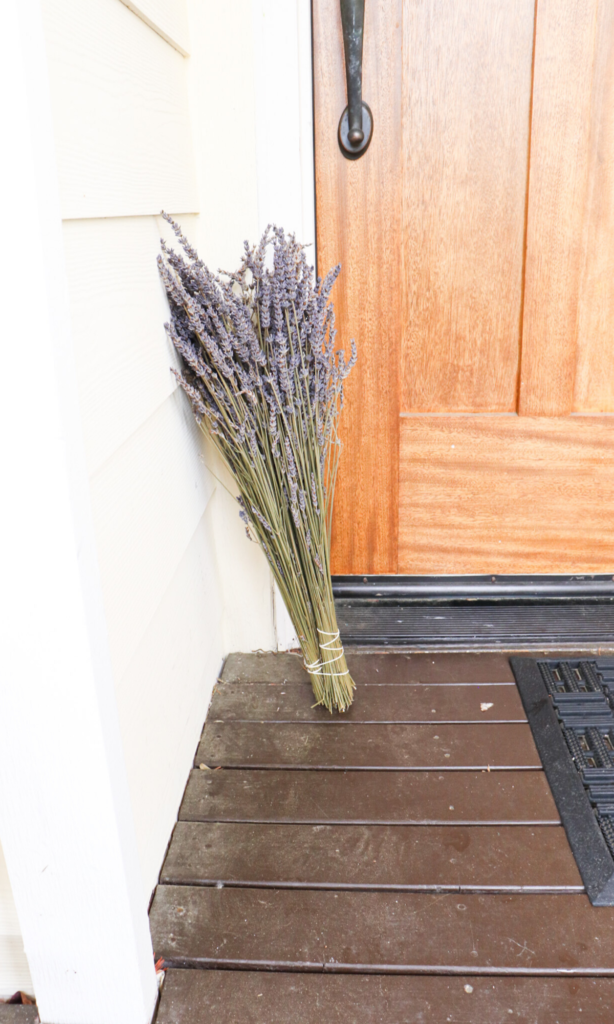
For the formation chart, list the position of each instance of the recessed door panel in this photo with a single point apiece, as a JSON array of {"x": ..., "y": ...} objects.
[{"x": 476, "y": 236}]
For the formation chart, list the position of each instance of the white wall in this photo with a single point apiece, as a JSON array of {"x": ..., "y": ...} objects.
[
  {"x": 250, "y": 86},
  {"x": 284, "y": 149},
  {"x": 176, "y": 105},
  {"x": 221, "y": 91},
  {"x": 14, "y": 970},
  {"x": 123, "y": 137},
  {"x": 66, "y": 823}
]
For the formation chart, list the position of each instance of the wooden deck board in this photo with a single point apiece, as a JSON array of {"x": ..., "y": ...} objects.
[
  {"x": 347, "y": 870},
  {"x": 372, "y": 668},
  {"x": 401, "y": 798},
  {"x": 440, "y": 747},
  {"x": 409, "y": 703},
  {"x": 387, "y": 857},
  {"x": 10, "y": 1014},
  {"x": 247, "y": 997},
  {"x": 379, "y": 931}
]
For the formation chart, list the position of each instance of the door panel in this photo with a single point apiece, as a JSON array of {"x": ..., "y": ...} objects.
[
  {"x": 506, "y": 494},
  {"x": 477, "y": 243},
  {"x": 558, "y": 180},
  {"x": 594, "y": 377},
  {"x": 466, "y": 106}
]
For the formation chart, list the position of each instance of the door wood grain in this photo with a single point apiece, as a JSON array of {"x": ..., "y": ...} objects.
[
  {"x": 558, "y": 182},
  {"x": 358, "y": 225},
  {"x": 466, "y": 102},
  {"x": 513, "y": 493},
  {"x": 477, "y": 243}
]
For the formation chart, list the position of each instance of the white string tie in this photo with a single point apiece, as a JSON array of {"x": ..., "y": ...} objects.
[{"x": 317, "y": 667}]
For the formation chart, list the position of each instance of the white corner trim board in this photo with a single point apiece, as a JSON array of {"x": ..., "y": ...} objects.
[
  {"x": 65, "y": 821},
  {"x": 284, "y": 116},
  {"x": 284, "y": 147}
]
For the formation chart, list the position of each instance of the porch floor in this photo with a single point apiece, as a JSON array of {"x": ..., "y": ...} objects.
[{"x": 403, "y": 862}]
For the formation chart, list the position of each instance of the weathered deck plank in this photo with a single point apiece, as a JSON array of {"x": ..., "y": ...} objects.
[
  {"x": 372, "y": 668},
  {"x": 411, "y": 703},
  {"x": 247, "y": 997},
  {"x": 400, "y": 798},
  {"x": 393, "y": 857},
  {"x": 283, "y": 745},
  {"x": 379, "y": 931},
  {"x": 380, "y": 888},
  {"x": 14, "y": 1014}
]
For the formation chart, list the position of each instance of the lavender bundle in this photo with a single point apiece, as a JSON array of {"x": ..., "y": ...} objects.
[{"x": 266, "y": 384}]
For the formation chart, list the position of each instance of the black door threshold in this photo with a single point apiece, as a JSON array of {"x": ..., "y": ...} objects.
[
  {"x": 482, "y": 612},
  {"x": 510, "y": 627}
]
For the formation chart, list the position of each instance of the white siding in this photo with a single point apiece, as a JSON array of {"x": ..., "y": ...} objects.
[
  {"x": 139, "y": 127},
  {"x": 181, "y": 583},
  {"x": 14, "y": 971},
  {"x": 221, "y": 73},
  {"x": 147, "y": 500},
  {"x": 155, "y": 523},
  {"x": 164, "y": 693},
  {"x": 221, "y": 90},
  {"x": 125, "y": 141},
  {"x": 118, "y": 307},
  {"x": 121, "y": 117},
  {"x": 169, "y": 18},
  {"x": 66, "y": 823}
]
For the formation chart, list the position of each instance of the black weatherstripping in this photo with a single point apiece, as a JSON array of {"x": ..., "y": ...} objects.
[{"x": 588, "y": 845}]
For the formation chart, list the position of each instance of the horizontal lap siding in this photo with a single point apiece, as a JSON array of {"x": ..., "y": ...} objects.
[
  {"x": 120, "y": 110},
  {"x": 147, "y": 501},
  {"x": 124, "y": 143},
  {"x": 118, "y": 307},
  {"x": 164, "y": 692},
  {"x": 169, "y": 18},
  {"x": 150, "y": 497}
]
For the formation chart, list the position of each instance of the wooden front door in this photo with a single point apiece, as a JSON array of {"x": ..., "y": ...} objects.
[{"x": 477, "y": 242}]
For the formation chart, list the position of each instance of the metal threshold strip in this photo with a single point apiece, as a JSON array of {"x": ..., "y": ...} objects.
[{"x": 510, "y": 612}]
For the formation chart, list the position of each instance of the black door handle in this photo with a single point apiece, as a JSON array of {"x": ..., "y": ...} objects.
[{"x": 356, "y": 124}]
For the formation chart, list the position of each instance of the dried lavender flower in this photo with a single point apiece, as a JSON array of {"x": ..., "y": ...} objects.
[{"x": 265, "y": 380}]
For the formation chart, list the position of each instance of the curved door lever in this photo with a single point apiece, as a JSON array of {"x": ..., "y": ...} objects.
[{"x": 356, "y": 124}]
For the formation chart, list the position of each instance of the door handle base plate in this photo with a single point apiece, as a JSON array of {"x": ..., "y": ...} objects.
[{"x": 350, "y": 150}]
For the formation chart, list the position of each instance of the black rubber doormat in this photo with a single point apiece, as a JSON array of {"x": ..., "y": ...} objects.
[{"x": 570, "y": 708}]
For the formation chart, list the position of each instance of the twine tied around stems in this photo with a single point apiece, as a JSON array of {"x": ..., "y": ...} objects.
[{"x": 315, "y": 669}]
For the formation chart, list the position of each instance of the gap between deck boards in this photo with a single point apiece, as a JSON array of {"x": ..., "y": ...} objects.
[{"x": 409, "y": 846}]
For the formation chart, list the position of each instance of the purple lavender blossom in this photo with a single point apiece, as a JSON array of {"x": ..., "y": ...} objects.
[{"x": 264, "y": 375}]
